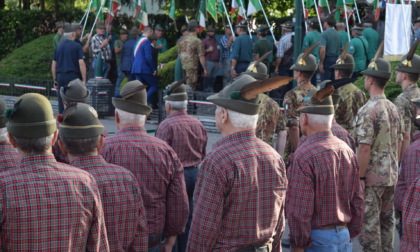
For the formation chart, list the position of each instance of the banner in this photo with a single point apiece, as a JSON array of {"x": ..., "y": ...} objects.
[
  {"x": 253, "y": 7},
  {"x": 212, "y": 9},
  {"x": 397, "y": 31}
]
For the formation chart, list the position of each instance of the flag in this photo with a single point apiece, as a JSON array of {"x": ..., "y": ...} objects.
[
  {"x": 220, "y": 8},
  {"x": 96, "y": 7},
  {"x": 172, "y": 10},
  {"x": 253, "y": 7},
  {"x": 138, "y": 8},
  {"x": 115, "y": 6},
  {"x": 202, "y": 15},
  {"x": 143, "y": 17},
  {"x": 321, "y": 4},
  {"x": 237, "y": 4},
  {"x": 211, "y": 9},
  {"x": 345, "y": 5}
]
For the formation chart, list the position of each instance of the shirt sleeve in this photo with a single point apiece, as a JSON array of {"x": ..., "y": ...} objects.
[
  {"x": 95, "y": 44},
  {"x": 163, "y": 132},
  {"x": 280, "y": 48},
  {"x": 141, "y": 237},
  {"x": 223, "y": 42},
  {"x": 323, "y": 40},
  {"x": 306, "y": 42},
  {"x": 403, "y": 106},
  {"x": 236, "y": 49},
  {"x": 364, "y": 129},
  {"x": 410, "y": 214},
  {"x": 357, "y": 204},
  {"x": 352, "y": 47},
  {"x": 200, "y": 49},
  {"x": 408, "y": 173}
]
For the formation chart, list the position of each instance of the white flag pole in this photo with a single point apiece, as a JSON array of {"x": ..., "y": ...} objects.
[
  {"x": 347, "y": 21},
  {"x": 97, "y": 15},
  {"x": 87, "y": 16},
  {"x": 319, "y": 18},
  {"x": 266, "y": 19},
  {"x": 228, "y": 19}
]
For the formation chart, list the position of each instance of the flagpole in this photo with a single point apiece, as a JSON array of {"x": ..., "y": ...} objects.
[
  {"x": 246, "y": 17},
  {"x": 87, "y": 16},
  {"x": 268, "y": 23},
  {"x": 303, "y": 7},
  {"x": 357, "y": 10},
  {"x": 228, "y": 19},
  {"x": 347, "y": 22},
  {"x": 97, "y": 15},
  {"x": 328, "y": 5},
  {"x": 84, "y": 15},
  {"x": 317, "y": 14}
]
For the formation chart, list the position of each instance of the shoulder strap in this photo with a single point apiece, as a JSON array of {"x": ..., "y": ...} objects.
[{"x": 364, "y": 47}]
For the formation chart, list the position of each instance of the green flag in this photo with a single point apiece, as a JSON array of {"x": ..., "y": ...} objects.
[
  {"x": 309, "y": 3},
  {"x": 172, "y": 10},
  {"x": 211, "y": 9},
  {"x": 253, "y": 7},
  {"x": 220, "y": 8}
]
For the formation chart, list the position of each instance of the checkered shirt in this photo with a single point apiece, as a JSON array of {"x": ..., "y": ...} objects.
[
  {"x": 159, "y": 173},
  {"x": 96, "y": 48},
  {"x": 9, "y": 157},
  {"x": 125, "y": 217},
  {"x": 324, "y": 188},
  {"x": 284, "y": 44},
  {"x": 225, "y": 50},
  {"x": 410, "y": 241},
  {"x": 239, "y": 196},
  {"x": 186, "y": 135},
  {"x": 49, "y": 206},
  {"x": 410, "y": 169}
]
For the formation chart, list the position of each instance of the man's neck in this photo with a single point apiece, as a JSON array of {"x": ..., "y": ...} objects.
[
  {"x": 227, "y": 131},
  {"x": 124, "y": 126},
  {"x": 405, "y": 84},
  {"x": 73, "y": 157},
  {"x": 173, "y": 112},
  {"x": 317, "y": 129},
  {"x": 376, "y": 91}
]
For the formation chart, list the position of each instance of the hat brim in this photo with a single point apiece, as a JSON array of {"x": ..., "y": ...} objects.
[
  {"x": 235, "y": 105},
  {"x": 343, "y": 66},
  {"x": 66, "y": 98},
  {"x": 413, "y": 70},
  {"x": 319, "y": 110},
  {"x": 257, "y": 76},
  {"x": 131, "y": 107},
  {"x": 376, "y": 73},
  {"x": 176, "y": 97}
]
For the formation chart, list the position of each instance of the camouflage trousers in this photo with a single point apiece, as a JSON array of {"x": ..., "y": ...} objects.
[
  {"x": 192, "y": 77},
  {"x": 378, "y": 224}
]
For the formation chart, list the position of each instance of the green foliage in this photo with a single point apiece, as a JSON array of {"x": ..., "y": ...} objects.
[
  {"x": 33, "y": 60},
  {"x": 166, "y": 74},
  {"x": 168, "y": 56}
]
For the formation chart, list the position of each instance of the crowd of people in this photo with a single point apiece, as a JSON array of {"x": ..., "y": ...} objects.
[{"x": 335, "y": 164}]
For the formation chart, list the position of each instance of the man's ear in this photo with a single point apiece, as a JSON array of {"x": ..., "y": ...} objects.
[
  {"x": 12, "y": 140},
  {"x": 62, "y": 147},
  {"x": 101, "y": 143}
]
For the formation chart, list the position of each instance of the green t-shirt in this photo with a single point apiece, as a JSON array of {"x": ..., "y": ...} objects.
[
  {"x": 164, "y": 43},
  {"x": 330, "y": 39},
  {"x": 57, "y": 39},
  {"x": 118, "y": 44},
  {"x": 311, "y": 38},
  {"x": 372, "y": 38},
  {"x": 344, "y": 38},
  {"x": 261, "y": 47},
  {"x": 357, "y": 48}
]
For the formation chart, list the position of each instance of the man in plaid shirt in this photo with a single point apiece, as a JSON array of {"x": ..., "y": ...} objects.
[
  {"x": 188, "y": 137},
  {"x": 100, "y": 44},
  {"x": 410, "y": 241},
  {"x": 154, "y": 164},
  {"x": 125, "y": 217},
  {"x": 9, "y": 156},
  {"x": 46, "y": 205},
  {"x": 239, "y": 197},
  {"x": 324, "y": 199}
]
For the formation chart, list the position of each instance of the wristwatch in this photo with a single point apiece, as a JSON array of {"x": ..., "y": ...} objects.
[{"x": 232, "y": 68}]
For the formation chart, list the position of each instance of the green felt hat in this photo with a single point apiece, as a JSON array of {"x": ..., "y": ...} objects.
[
  {"x": 67, "y": 28},
  {"x": 344, "y": 61},
  {"x": 132, "y": 98},
  {"x": 176, "y": 91},
  {"x": 31, "y": 117},
  {"x": 75, "y": 91},
  {"x": 76, "y": 25},
  {"x": 79, "y": 121},
  {"x": 305, "y": 62},
  {"x": 192, "y": 24},
  {"x": 257, "y": 71},
  {"x": 58, "y": 24},
  {"x": 3, "y": 119},
  {"x": 410, "y": 63},
  {"x": 319, "y": 102},
  {"x": 378, "y": 67}
]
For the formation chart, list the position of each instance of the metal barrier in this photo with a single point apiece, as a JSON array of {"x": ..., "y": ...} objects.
[{"x": 16, "y": 86}]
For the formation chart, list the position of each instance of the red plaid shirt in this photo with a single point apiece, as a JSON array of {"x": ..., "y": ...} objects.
[
  {"x": 410, "y": 241},
  {"x": 239, "y": 196},
  {"x": 125, "y": 217},
  {"x": 9, "y": 157},
  {"x": 49, "y": 206},
  {"x": 160, "y": 176},
  {"x": 324, "y": 188},
  {"x": 186, "y": 135},
  {"x": 410, "y": 169}
]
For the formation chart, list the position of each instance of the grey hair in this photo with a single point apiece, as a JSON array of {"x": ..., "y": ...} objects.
[
  {"x": 178, "y": 105},
  {"x": 4, "y": 138},
  {"x": 130, "y": 118},
  {"x": 147, "y": 28},
  {"x": 322, "y": 120},
  {"x": 358, "y": 32},
  {"x": 81, "y": 146},
  {"x": 239, "y": 120},
  {"x": 34, "y": 145},
  {"x": 68, "y": 34}
]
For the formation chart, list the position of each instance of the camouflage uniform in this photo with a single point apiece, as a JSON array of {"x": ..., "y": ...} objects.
[
  {"x": 190, "y": 49},
  {"x": 378, "y": 123},
  {"x": 350, "y": 101},
  {"x": 270, "y": 119},
  {"x": 407, "y": 109}
]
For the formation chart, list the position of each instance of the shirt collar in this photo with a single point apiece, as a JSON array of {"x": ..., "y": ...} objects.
[
  {"x": 86, "y": 161},
  {"x": 236, "y": 137},
  {"x": 378, "y": 97},
  {"x": 37, "y": 159},
  {"x": 319, "y": 135},
  {"x": 132, "y": 129},
  {"x": 178, "y": 113},
  {"x": 411, "y": 87}
]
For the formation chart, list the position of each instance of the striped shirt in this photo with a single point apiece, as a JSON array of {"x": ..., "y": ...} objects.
[
  {"x": 9, "y": 157},
  {"x": 225, "y": 49},
  {"x": 96, "y": 43},
  {"x": 125, "y": 217},
  {"x": 49, "y": 206},
  {"x": 159, "y": 173},
  {"x": 324, "y": 188},
  {"x": 284, "y": 44}
]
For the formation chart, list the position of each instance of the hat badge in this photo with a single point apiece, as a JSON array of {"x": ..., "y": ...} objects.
[
  {"x": 339, "y": 61},
  {"x": 406, "y": 63},
  {"x": 301, "y": 62},
  {"x": 372, "y": 65}
]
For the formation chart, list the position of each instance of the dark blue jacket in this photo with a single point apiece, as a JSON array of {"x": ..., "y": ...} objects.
[{"x": 143, "y": 60}]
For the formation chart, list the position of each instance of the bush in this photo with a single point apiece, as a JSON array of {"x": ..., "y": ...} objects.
[
  {"x": 168, "y": 56},
  {"x": 166, "y": 74}
]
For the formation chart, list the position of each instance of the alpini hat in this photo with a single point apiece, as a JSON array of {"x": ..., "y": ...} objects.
[
  {"x": 67, "y": 28},
  {"x": 176, "y": 91},
  {"x": 257, "y": 69},
  {"x": 344, "y": 61},
  {"x": 378, "y": 67},
  {"x": 79, "y": 120},
  {"x": 306, "y": 61},
  {"x": 75, "y": 91},
  {"x": 192, "y": 24},
  {"x": 76, "y": 25},
  {"x": 132, "y": 98},
  {"x": 410, "y": 63},
  {"x": 58, "y": 24},
  {"x": 3, "y": 119},
  {"x": 31, "y": 117},
  {"x": 320, "y": 102},
  {"x": 242, "y": 95}
]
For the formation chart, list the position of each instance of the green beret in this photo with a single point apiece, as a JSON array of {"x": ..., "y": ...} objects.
[
  {"x": 132, "y": 98},
  {"x": 31, "y": 117},
  {"x": 80, "y": 121}
]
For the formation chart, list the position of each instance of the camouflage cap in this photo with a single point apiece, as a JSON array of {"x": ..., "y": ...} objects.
[
  {"x": 79, "y": 121},
  {"x": 410, "y": 63},
  {"x": 3, "y": 119},
  {"x": 176, "y": 91},
  {"x": 319, "y": 102},
  {"x": 75, "y": 91},
  {"x": 132, "y": 98},
  {"x": 31, "y": 117}
]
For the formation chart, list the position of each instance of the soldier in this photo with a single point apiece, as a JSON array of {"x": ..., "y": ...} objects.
[
  {"x": 58, "y": 37},
  {"x": 188, "y": 138},
  {"x": 378, "y": 128},
  {"x": 191, "y": 52},
  {"x": 154, "y": 164},
  {"x": 284, "y": 57},
  {"x": 358, "y": 48},
  {"x": 242, "y": 50},
  {"x": 329, "y": 49},
  {"x": 410, "y": 241},
  {"x": 125, "y": 217},
  {"x": 408, "y": 74},
  {"x": 351, "y": 97},
  {"x": 46, "y": 205},
  {"x": 241, "y": 173},
  {"x": 372, "y": 37},
  {"x": 324, "y": 173},
  {"x": 9, "y": 156},
  {"x": 303, "y": 71}
]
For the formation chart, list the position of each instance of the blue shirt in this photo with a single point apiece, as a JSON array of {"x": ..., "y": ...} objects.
[
  {"x": 67, "y": 55},
  {"x": 127, "y": 55},
  {"x": 225, "y": 50},
  {"x": 242, "y": 50}
]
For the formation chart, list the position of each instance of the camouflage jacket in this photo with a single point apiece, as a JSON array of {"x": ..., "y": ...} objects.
[
  {"x": 407, "y": 109},
  {"x": 189, "y": 51},
  {"x": 292, "y": 101},
  {"x": 378, "y": 123},
  {"x": 270, "y": 120},
  {"x": 350, "y": 101}
]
